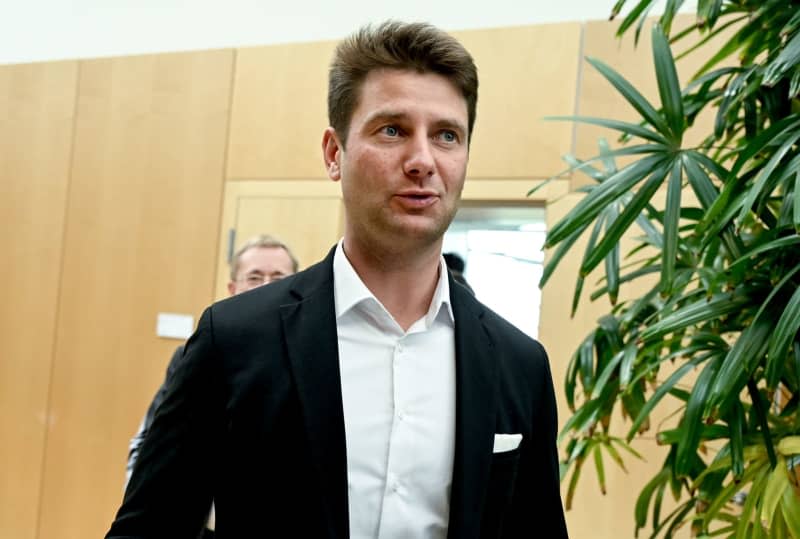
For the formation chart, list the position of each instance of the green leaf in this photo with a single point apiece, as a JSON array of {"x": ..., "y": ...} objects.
[
  {"x": 796, "y": 196},
  {"x": 615, "y": 456},
  {"x": 786, "y": 60},
  {"x": 608, "y": 371},
  {"x": 628, "y": 128},
  {"x": 604, "y": 194},
  {"x": 626, "y": 366},
  {"x": 632, "y": 210},
  {"x": 586, "y": 365},
  {"x": 790, "y": 506},
  {"x": 601, "y": 471},
  {"x": 785, "y": 332},
  {"x": 708, "y": 12},
  {"x": 757, "y": 190},
  {"x": 671, "y": 222},
  {"x": 620, "y": 442},
  {"x": 615, "y": 10},
  {"x": 669, "y": 87},
  {"x": 736, "y": 422},
  {"x": 607, "y": 155},
  {"x": 573, "y": 482},
  {"x": 750, "y": 256},
  {"x": 586, "y": 416},
  {"x": 640, "y": 10},
  {"x": 612, "y": 260},
  {"x": 687, "y": 446},
  {"x": 753, "y": 496},
  {"x": 789, "y": 445},
  {"x": 777, "y": 483},
  {"x": 751, "y": 454},
  {"x": 733, "y": 184},
  {"x": 724, "y": 496},
  {"x": 633, "y": 97},
  {"x": 696, "y": 312},
  {"x": 660, "y": 392},
  {"x": 559, "y": 253},
  {"x": 794, "y": 85},
  {"x": 745, "y": 353},
  {"x": 643, "y": 501},
  {"x": 701, "y": 184}
]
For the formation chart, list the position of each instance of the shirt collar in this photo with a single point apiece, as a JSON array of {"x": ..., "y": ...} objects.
[{"x": 350, "y": 290}]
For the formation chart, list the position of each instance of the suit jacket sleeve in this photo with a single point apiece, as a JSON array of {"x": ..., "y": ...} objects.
[
  {"x": 536, "y": 508},
  {"x": 167, "y": 496},
  {"x": 144, "y": 427}
]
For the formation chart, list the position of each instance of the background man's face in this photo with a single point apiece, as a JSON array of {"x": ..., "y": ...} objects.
[
  {"x": 260, "y": 265},
  {"x": 403, "y": 170}
]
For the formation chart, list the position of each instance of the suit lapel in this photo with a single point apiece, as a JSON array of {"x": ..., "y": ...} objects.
[
  {"x": 309, "y": 327},
  {"x": 475, "y": 415}
]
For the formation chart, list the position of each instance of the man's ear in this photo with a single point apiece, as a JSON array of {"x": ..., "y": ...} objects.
[
  {"x": 231, "y": 288},
  {"x": 331, "y": 153}
]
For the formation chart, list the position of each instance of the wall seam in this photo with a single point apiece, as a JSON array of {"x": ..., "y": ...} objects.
[
  {"x": 56, "y": 321},
  {"x": 578, "y": 89},
  {"x": 222, "y": 235}
]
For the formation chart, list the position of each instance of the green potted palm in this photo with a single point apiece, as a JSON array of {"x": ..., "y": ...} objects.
[{"x": 717, "y": 327}]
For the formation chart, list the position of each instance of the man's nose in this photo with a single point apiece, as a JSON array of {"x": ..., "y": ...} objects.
[{"x": 419, "y": 161}]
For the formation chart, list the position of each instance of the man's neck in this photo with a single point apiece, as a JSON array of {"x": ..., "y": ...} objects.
[{"x": 403, "y": 282}]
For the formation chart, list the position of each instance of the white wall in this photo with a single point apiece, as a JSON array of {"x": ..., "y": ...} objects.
[{"x": 37, "y": 30}]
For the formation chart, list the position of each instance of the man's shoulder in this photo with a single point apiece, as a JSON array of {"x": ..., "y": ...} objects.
[{"x": 503, "y": 334}]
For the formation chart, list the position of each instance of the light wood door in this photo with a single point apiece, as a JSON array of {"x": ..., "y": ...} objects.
[{"x": 305, "y": 214}]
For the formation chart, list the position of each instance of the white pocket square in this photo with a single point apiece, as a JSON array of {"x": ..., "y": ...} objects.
[{"x": 506, "y": 442}]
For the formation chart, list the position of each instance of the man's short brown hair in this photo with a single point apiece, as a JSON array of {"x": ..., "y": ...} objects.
[{"x": 418, "y": 47}]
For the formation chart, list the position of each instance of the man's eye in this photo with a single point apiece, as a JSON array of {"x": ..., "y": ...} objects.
[
  {"x": 390, "y": 130},
  {"x": 448, "y": 136}
]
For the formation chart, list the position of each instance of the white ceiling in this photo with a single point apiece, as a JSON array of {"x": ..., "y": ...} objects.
[{"x": 36, "y": 30}]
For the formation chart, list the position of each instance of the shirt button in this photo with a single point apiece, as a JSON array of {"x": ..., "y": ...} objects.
[{"x": 400, "y": 416}]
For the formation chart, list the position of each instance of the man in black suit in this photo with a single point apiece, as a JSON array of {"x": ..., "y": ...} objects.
[
  {"x": 260, "y": 260},
  {"x": 367, "y": 396}
]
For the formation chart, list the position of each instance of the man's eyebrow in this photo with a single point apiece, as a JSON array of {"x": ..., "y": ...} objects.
[
  {"x": 455, "y": 125},
  {"x": 385, "y": 116}
]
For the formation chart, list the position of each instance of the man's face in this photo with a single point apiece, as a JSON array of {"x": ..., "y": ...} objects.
[
  {"x": 260, "y": 265},
  {"x": 403, "y": 170}
]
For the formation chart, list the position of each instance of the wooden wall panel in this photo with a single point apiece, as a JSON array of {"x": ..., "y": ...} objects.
[
  {"x": 37, "y": 106},
  {"x": 141, "y": 231},
  {"x": 598, "y": 98},
  {"x": 526, "y": 73},
  {"x": 279, "y": 111}
]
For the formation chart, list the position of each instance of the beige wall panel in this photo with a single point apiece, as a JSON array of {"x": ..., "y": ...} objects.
[
  {"x": 279, "y": 111},
  {"x": 599, "y": 99},
  {"x": 592, "y": 514},
  {"x": 142, "y": 223},
  {"x": 37, "y": 107},
  {"x": 307, "y": 215},
  {"x": 526, "y": 73}
]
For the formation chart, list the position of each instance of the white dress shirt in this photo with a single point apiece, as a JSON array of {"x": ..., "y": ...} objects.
[{"x": 398, "y": 393}]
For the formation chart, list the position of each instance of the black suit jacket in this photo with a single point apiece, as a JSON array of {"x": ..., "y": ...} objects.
[{"x": 253, "y": 419}]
